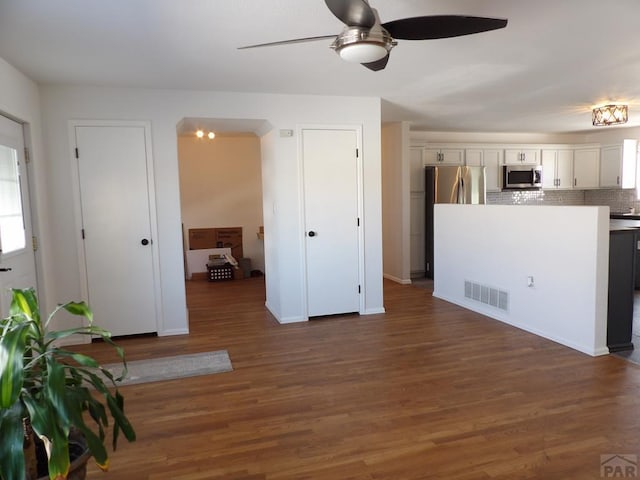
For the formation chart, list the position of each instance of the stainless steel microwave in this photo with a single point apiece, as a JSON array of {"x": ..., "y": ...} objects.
[{"x": 521, "y": 177}]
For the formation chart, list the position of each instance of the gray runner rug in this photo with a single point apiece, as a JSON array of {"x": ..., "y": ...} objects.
[{"x": 169, "y": 368}]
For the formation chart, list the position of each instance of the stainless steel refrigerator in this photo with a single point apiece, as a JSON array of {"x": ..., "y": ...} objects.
[{"x": 449, "y": 184}]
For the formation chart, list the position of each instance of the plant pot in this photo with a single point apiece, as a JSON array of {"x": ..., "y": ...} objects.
[{"x": 79, "y": 453}]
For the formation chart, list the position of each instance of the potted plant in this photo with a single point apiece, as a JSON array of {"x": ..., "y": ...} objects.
[{"x": 47, "y": 393}]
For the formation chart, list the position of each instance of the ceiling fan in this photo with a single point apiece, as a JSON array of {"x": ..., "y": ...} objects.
[{"x": 367, "y": 41}]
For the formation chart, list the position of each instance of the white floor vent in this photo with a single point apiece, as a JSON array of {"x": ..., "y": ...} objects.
[{"x": 487, "y": 295}]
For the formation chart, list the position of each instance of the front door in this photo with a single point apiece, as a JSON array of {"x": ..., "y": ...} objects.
[
  {"x": 330, "y": 163},
  {"x": 116, "y": 227},
  {"x": 17, "y": 261}
]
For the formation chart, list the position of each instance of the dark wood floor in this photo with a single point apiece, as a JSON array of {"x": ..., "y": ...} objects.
[{"x": 426, "y": 391}]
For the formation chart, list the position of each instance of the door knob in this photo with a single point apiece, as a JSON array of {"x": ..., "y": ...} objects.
[
  {"x": 312, "y": 233},
  {"x": 5, "y": 269},
  {"x": 144, "y": 242}
]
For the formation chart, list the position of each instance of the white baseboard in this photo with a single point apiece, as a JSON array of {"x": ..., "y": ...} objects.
[
  {"x": 173, "y": 331},
  {"x": 401, "y": 281},
  {"x": 373, "y": 311},
  {"x": 285, "y": 319}
]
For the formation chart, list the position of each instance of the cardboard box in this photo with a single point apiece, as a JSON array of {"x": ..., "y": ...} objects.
[
  {"x": 201, "y": 238},
  {"x": 230, "y": 238}
]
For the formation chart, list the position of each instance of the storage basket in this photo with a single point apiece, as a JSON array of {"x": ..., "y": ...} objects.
[{"x": 218, "y": 273}]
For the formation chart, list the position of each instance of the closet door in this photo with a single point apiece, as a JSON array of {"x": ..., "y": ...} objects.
[{"x": 332, "y": 225}]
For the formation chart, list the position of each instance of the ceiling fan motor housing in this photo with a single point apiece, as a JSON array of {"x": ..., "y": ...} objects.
[{"x": 363, "y": 45}]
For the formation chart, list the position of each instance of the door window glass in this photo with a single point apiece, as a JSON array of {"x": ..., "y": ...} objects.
[{"x": 12, "y": 232}]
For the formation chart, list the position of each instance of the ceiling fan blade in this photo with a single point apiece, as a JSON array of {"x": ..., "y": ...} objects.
[
  {"x": 354, "y": 13},
  {"x": 287, "y": 42},
  {"x": 378, "y": 64},
  {"x": 441, "y": 26}
]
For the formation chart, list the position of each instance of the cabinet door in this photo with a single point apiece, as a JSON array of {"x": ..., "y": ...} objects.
[
  {"x": 431, "y": 156},
  {"x": 473, "y": 157},
  {"x": 564, "y": 169},
  {"x": 586, "y": 168},
  {"x": 512, "y": 157},
  {"x": 549, "y": 173},
  {"x": 443, "y": 156},
  {"x": 493, "y": 168},
  {"x": 452, "y": 156},
  {"x": 610, "y": 166},
  {"x": 519, "y": 155},
  {"x": 530, "y": 156}
]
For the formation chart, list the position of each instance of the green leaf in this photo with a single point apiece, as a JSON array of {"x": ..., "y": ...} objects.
[
  {"x": 116, "y": 407},
  {"x": 85, "y": 330},
  {"x": 11, "y": 452},
  {"x": 79, "y": 308},
  {"x": 12, "y": 349},
  {"x": 54, "y": 431},
  {"x": 55, "y": 391}
]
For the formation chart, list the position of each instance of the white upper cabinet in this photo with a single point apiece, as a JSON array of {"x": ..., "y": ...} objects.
[
  {"x": 586, "y": 167},
  {"x": 557, "y": 169},
  {"x": 618, "y": 165},
  {"x": 515, "y": 156},
  {"x": 443, "y": 156},
  {"x": 491, "y": 159}
]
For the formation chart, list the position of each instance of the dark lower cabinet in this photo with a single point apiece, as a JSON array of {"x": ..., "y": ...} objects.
[{"x": 622, "y": 247}]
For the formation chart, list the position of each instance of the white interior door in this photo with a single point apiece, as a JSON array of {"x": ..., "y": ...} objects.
[
  {"x": 116, "y": 223},
  {"x": 331, "y": 221},
  {"x": 17, "y": 261}
]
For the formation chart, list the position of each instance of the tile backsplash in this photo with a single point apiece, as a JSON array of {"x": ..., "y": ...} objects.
[
  {"x": 617, "y": 200},
  {"x": 537, "y": 197}
]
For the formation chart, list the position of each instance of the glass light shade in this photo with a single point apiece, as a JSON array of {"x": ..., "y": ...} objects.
[
  {"x": 362, "y": 52},
  {"x": 610, "y": 115}
]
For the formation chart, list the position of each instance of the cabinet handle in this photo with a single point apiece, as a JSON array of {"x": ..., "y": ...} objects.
[
  {"x": 618, "y": 180},
  {"x": 575, "y": 182}
]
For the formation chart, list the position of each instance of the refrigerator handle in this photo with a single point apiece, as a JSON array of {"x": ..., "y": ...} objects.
[{"x": 461, "y": 196}]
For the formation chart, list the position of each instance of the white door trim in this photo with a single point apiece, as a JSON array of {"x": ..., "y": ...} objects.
[
  {"x": 360, "y": 195},
  {"x": 75, "y": 179}
]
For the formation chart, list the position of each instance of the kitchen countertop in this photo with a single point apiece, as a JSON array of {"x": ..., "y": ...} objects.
[
  {"x": 617, "y": 225},
  {"x": 624, "y": 216}
]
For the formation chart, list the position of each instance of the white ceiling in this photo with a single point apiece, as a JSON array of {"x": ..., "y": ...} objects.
[{"x": 543, "y": 73}]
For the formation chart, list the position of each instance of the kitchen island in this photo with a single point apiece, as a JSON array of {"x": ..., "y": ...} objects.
[{"x": 544, "y": 269}]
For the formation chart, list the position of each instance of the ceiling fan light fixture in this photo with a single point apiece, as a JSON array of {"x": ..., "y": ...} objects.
[
  {"x": 609, "y": 115},
  {"x": 362, "y": 52},
  {"x": 362, "y": 45}
]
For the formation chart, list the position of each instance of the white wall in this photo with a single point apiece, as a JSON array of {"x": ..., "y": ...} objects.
[
  {"x": 20, "y": 100},
  {"x": 221, "y": 186},
  {"x": 396, "y": 202},
  {"x": 164, "y": 109},
  {"x": 564, "y": 249}
]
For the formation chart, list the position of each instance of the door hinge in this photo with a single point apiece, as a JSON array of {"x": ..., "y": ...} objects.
[
  {"x": 357, "y": 153},
  {"x": 77, "y": 153},
  {"x": 27, "y": 157},
  {"x": 82, "y": 232},
  {"x": 358, "y": 221},
  {"x": 34, "y": 243},
  {"x": 359, "y": 289}
]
